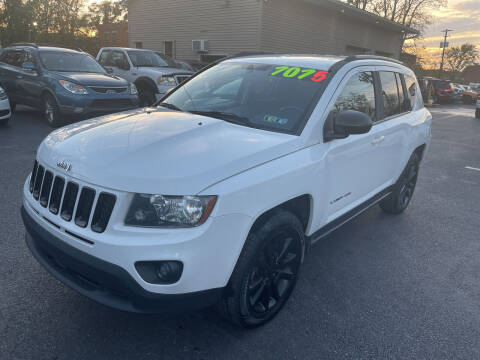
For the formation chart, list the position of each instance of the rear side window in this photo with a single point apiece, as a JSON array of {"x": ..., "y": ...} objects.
[
  {"x": 411, "y": 87},
  {"x": 391, "y": 93},
  {"x": 358, "y": 94},
  {"x": 13, "y": 57}
]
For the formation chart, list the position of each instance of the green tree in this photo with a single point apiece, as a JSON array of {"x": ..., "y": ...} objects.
[{"x": 106, "y": 12}]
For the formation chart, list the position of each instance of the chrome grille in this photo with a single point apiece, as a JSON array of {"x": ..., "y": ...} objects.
[
  {"x": 181, "y": 78},
  {"x": 70, "y": 200}
]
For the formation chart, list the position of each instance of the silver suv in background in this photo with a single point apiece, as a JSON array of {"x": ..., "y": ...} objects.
[{"x": 151, "y": 74}]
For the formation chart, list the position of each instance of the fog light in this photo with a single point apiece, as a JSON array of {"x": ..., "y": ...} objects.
[{"x": 160, "y": 272}]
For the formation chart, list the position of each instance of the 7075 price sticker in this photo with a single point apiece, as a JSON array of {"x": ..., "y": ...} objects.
[{"x": 299, "y": 73}]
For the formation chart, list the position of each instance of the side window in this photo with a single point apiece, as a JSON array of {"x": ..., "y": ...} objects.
[
  {"x": 104, "y": 58},
  {"x": 358, "y": 94},
  {"x": 390, "y": 93},
  {"x": 411, "y": 86},
  {"x": 119, "y": 60},
  {"x": 13, "y": 57},
  {"x": 28, "y": 57},
  {"x": 401, "y": 95}
]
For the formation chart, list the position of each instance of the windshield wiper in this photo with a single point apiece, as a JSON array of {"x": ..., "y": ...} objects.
[
  {"x": 170, "y": 106},
  {"x": 230, "y": 117}
]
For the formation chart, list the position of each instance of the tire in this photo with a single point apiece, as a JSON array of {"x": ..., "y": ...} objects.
[
  {"x": 146, "y": 97},
  {"x": 4, "y": 122},
  {"x": 400, "y": 198},
  {"x": 51, "y": 110},
  {"x": 266, "y": 271},
  {"x": 477, "y": 113},
  {"x": 13, "y": 106}
]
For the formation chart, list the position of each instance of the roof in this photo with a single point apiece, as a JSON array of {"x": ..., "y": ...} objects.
[
  {"x": 363, "y": 15},
  {"x": 308, "y": 60},
  {"x": 47, "y": 47},
  {"x": 122, "y": 48}
]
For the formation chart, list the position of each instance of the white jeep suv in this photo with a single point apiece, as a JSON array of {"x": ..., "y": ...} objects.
[
  {"x": 152, "y": 74},
  {"x": 214, "y": 195}
]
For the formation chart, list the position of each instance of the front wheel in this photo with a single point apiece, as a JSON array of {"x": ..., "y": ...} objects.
[
  {"x": 477, "y": 113},
  {"x": 403, "y": 190},
  {"x": 146, "y": 97},
  {"x": 51, "y": 111},
  {"x": 266, "y": 271}
]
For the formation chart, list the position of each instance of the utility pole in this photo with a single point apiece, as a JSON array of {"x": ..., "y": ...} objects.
[{"x": 443, "y": 45}]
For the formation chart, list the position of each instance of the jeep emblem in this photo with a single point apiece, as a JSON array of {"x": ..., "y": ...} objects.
[{"x": 64, "y": 165}]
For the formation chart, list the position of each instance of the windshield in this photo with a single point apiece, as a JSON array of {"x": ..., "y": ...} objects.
[
  {"x": 265, "y": 96},
  {"x": 169, "y": 62},
  {"x": 146, "y": 58},
  {"x": 70, "y": 62}
]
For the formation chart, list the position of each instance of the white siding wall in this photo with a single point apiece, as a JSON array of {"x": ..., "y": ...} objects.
[
  {"x": 230, "y": 26},
  {"x": 299, "y": 27}
]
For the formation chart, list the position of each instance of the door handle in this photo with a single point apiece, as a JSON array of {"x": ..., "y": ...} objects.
[
  {"x": 378, "y": 140},
  {"x": 19, "y": 77}
]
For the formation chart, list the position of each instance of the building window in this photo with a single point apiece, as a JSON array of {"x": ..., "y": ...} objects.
[
  {"x": 169, "y": 48},
  {"x": 356, "y": 50},
  {"x": 139, "y": 45},
  {"x": 114, "y": 38},
  {"x": 107, "y": 38}
]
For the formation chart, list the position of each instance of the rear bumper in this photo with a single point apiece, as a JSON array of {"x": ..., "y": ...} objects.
[{"x": 102, "y": 281}]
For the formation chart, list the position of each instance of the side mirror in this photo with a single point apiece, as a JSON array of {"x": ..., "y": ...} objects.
[
  {"x": 350, "y": 122},
  {"x": 109, "y": 70},
  {"x": 345, "y": 123},
  {"x": 28, "y": 66}
]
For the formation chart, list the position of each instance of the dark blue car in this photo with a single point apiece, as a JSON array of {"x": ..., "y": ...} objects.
[{"x": 62, "y": 83}]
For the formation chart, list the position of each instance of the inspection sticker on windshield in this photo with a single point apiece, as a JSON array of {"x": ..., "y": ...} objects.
[
  {"x": 275, "y": 119},
  {"x": 294, "y": 72}
]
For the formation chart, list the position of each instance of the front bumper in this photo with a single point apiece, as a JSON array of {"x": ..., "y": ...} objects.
[
  {"x": 4, "y": 109},
  {"x": 104, "y": 282}
]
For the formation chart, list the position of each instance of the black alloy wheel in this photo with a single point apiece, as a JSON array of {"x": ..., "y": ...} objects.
[
  {"x": 266, "y": 271},
  {"x": 403, "y": 190},
  {"x": 273, "y": 276}
]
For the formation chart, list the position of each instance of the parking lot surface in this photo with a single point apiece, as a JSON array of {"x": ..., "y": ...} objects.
[{"x": 383, "y": 287}]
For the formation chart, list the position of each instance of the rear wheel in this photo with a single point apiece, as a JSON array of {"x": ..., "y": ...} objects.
[
  {"x": 402, "y": 194},
  {"x": 51, "y": 110},
  {"x": 266, "y": 271}
]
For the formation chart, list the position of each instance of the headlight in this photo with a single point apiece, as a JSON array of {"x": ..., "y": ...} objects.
[
  {"x": 167, "y": 81},
  {"x": 169, "y": 211},
  {"x": 73, "y": 88},
  {"x": 3, "y": 94},
  {"x": 133, "y": 89}
]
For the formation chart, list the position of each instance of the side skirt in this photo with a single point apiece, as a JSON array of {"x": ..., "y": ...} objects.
[{"x": 335, "y": 224}]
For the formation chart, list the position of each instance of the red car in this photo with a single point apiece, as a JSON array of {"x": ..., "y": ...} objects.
[{"x": 443, "y": 91}]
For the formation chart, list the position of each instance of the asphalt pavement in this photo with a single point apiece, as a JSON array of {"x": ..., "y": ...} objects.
[{"x": 381, "y": 287}]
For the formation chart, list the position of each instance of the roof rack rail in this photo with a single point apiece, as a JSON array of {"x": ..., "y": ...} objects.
[
  {"x": 24, "y": 44},
  {"x": 373, "y": 57},
  {"x": 60, "y": 46},
  {"x": 251, "y": 53}
]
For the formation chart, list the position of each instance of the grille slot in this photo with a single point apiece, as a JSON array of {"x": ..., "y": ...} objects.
[
  {"x": 69, "y": 201},
  {"x": 84, "y": 207},
  {"x": 104, "y": 90},
  {"x": 38, "y": 182},
  {"x": 65, "y": 197},
  {"x": 181, "y": 78},
  {"x": 103, "y": 211},
  {"x": 56, "y": 196},
  {"x": 46, "y": 187},
  {"x": 33, "y": 176}
]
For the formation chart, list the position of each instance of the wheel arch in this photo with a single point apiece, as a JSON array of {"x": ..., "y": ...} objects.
[{"x": 144, "y": 82}]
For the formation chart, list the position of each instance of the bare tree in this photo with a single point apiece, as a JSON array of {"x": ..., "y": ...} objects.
[{"x": 459, "y": 57}]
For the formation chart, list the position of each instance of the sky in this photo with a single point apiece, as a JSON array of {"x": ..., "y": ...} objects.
[{"x": 462, "y": 16}]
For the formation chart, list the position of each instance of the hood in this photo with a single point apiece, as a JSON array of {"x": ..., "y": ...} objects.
[
  {"x": 93, "y": 79},
  {"x": 165, "y": 70},
  {"x": 161, "y": 151}
]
